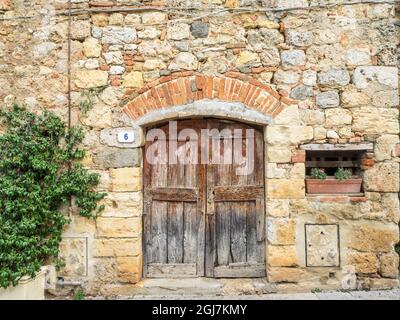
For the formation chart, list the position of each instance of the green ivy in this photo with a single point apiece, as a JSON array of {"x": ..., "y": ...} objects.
[{"x": 40, "y": 171}]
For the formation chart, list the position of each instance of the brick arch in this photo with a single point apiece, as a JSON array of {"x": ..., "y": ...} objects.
[{"x": 187, "y": 87}]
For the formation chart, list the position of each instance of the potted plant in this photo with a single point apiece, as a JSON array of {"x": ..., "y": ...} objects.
[{"x": 342, "y": 183}]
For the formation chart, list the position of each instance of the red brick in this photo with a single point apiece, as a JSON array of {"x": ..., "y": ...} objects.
[
  {"x": 355, "y": 139},
  {"x": 257, "y": 70},
  {"x": 165, "y": 79},
  {"x": 358, "y": 199},
  {"x": 299, "y": 156},
  {"x": 397, "y": 150},
  {"x": 340, "y": 199},
  {"x": 104, "y": 68},
  {"x": 367, "y": 162},
  {"x": 221, "y": 93},
  {"x": 115, "y": 81}
]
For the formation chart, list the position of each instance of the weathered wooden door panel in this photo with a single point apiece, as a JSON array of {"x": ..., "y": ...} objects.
[
  {"x": 205, "y": 219},
  {"x": 235, "y": 201},
  {"x": 173, "y": 213}
]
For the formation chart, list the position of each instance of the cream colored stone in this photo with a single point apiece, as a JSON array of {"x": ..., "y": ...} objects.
[
  {"x": 382, "y": 177},
  {"x": 247, "y": 57},
  {"x": 98, "y": 117},
  {"x": 384, "y": 147},
  {"x": 364, "y": 262},
  {"x": 320, "y": 133},
  {"x": 281, "y": 231},
  {"x": 370, "y": 239},
  {"x": 337, "y": 117},
  {"x": 278, "y": 208},
  {"x": 80, "y": 226},
  {"x": 117, "y": 247},
  {"x": 282, "y": 256},
  {"x": 127, "y": 204},
  {"x": 279, "y": 154},
  {"x": 154, "y": 17},
  {"x": 298, "y": 171},
  {"x": 289, "y": 135},
  {"x": 116, "y": 19},
  {"x": 285, "y": 188},
  {"x": 126, "y": 179},
  {"x": 275, "y": 172},
  {"x": 118, "y": 227},
  {"x": 354, "y": 98},
  {"x": 289, "y": 116},
  {"x": 389, "y": 265},
  {"x": 91, "y": 48},
  {"x": 370, "y": 120},
  {"x": 152, "y": 64},
  {"x": 87, "y": 79},
  {"x": 312, "y": 117},
  {"x": 100, "y": 19},
  {"x": 391, "y": 205},
  {"x": 133, "y": 79}
]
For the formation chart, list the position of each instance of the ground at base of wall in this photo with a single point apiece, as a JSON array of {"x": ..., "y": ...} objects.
[
  {"x": 211, "y": 288},
  {"x": 331, "y": 295}
]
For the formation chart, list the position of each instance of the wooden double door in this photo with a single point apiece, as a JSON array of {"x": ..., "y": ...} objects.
[{"x": 204, "y": 212}]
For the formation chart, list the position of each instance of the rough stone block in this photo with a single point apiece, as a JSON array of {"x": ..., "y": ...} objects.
[
  {"x": 281, "y": 231},
  {"x": 282, "y": 256},
  {"x": 364, "y": 262},
  {"x": 279, "y": 155},
  {"x": 120, "y": 205},
  {"x": 86, "y": 79},
  {"x": 285, "y": 188},
  {"x": 376, "y": 75},
  {"x": 278, "y": 208},
  {"x": 117, "y": 247},
  {"x": 289, "y": 135},
  {"x": 389, "y": 265},
  {"x": 337, "y": 117},
  {"x": 385, "y": 146},
  {"x": 118, "y": 227},
  {"x": 370, "y": 120},
  {"x": 126, "y": 179},
  {"x": 334, "y": 78},
  {"x": 370, "y": 239},
  {"x": 129, "y": 269},
  {"x": 108, "y": 157},
  {"x": 382, "y": 177},
  {"x": 328, "y": 99},
  {"x": 284, "y": 274}
]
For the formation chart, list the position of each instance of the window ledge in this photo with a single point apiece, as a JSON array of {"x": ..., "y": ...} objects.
[{"x": 338, "y": 147}]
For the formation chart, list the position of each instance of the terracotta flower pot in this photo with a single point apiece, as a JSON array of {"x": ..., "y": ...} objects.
[{"x": 333, "y": 186}]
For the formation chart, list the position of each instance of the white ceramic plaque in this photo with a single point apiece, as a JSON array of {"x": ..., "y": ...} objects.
[{"x": 126, "y": 137}]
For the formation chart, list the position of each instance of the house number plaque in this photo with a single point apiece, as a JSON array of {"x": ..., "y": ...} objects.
[{"x": 126, "y": 136}]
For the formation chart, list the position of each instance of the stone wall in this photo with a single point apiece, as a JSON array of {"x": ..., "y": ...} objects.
[{"x": 334, "y": 69}]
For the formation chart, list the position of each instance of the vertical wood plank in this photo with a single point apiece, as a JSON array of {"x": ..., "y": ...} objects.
[{"x": 175, "y": 232}]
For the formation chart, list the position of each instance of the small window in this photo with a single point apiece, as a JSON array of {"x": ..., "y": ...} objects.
[{"x": 330, "y": 161}]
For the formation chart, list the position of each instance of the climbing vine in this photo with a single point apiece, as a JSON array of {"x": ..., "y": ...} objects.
[
  {"x": 87, "y": 99},
  {"x": 40, "y": 171}
]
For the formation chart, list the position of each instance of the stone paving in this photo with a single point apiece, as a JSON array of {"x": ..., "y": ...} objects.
[{"x": 354, "y": 295}]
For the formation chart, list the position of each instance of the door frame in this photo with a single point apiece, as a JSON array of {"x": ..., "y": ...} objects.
[{"x": 257, "y": 126}]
